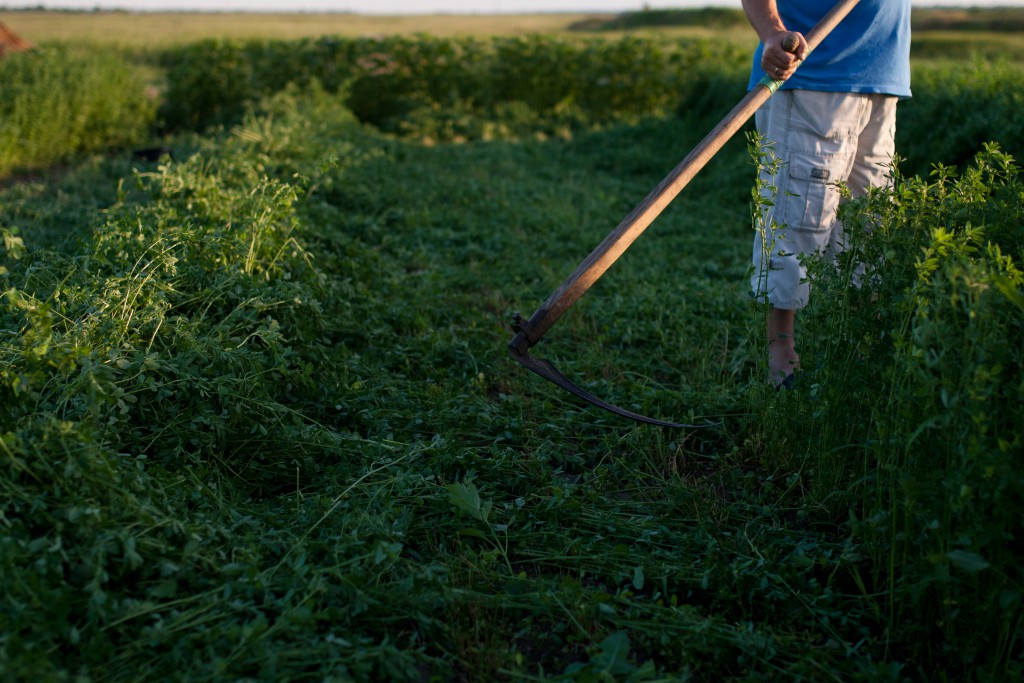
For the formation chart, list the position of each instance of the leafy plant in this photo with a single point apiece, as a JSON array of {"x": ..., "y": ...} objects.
[
  {"x": 400, "y": 83},
  {"x": 64, "y": 100},
  {"x": 911, "y": 430}
]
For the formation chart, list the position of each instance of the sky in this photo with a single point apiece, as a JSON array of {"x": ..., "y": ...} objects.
[{"x": 422, "y": 6}]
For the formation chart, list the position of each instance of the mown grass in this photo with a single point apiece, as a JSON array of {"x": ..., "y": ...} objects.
[
  {"x": 406, "y": 398},
  {"x": 259, "y": 421}
]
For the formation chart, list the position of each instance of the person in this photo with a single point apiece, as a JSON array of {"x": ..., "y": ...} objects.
[{"x": 832, "y": 120}]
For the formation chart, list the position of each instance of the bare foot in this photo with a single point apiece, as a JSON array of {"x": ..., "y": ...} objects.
[{"x": 783, "y": 359}]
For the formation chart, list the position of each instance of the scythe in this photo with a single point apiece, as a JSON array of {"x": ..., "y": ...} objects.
[{"x": 529, "y": 332}]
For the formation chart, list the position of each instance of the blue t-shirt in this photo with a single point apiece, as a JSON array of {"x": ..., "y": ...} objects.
[{"x": 868, "y": 52}]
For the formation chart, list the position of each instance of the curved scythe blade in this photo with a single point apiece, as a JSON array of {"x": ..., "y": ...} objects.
[{"x": 548, "y": 371}]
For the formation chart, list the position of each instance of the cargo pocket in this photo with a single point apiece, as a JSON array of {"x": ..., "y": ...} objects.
[{"x": 813, "y": 196}]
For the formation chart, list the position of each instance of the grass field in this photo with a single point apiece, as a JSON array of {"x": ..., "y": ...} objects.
[
  {"x": 156, "y": 29},
  {"x": 258, "y": 420},
  {"x": 167, "y": 28}
]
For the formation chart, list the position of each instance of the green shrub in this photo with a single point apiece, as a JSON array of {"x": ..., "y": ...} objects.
[
  {"x": 186, "y": 302},
  {"x": 954, "y": 490},
  {"x": 398, "y": 83},
  {"x": 61, "y": 100},
  {"x": 910, "y": 408},
  {"x": 706, "y": 17},
  {"x": 209, "y": 82}
]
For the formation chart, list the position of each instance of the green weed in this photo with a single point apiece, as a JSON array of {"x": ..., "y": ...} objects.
[{"x": 908, "y": 423}]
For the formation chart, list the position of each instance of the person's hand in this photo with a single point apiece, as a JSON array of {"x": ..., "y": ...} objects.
[{"x": 783, "y": 52}]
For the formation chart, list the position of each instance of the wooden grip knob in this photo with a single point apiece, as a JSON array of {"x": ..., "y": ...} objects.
[{"x": 791, "y": 42}]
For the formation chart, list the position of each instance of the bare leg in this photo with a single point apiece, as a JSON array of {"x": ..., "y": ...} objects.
[{"x": 782, "y": 356}]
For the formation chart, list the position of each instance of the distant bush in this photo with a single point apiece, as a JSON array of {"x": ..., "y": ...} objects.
[
  {"x": 394, "y": 83},
  {"x": 999, "y": 20},
  {"x": 707, "y": 17},
  {"x": 966, "y": 47},
  {"x": 59, "y": 101}
]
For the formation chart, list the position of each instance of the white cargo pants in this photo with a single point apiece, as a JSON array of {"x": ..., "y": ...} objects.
[{"x": 822, "y": 138}]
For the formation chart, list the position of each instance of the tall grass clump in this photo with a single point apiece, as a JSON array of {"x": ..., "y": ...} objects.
[
  {"x": 62, "y": 100},
  {"x": 909, "y": 412}
]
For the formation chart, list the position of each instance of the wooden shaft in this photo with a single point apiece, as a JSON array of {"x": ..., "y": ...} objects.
[{"x": 631, "y": 227}]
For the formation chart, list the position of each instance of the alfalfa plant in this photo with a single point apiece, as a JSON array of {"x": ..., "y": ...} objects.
[
  {"x": 920, "y": 367},
  {"x": 768, "y": 165},
  {"x": 60, "y": 101},
  {"x": 465, "y": 497}
]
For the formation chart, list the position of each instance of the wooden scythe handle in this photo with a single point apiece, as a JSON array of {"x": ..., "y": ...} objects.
[{"x": 615, "y": 244}]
